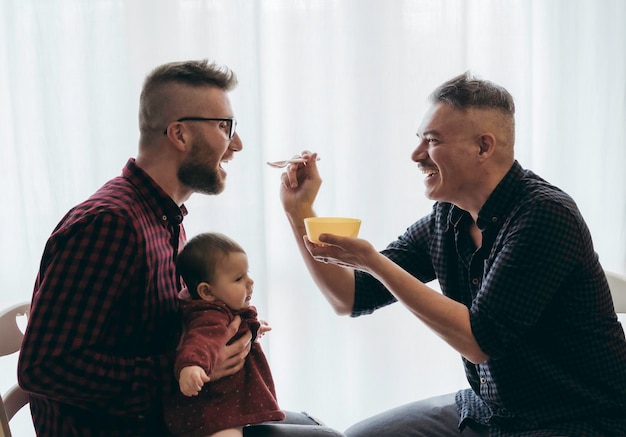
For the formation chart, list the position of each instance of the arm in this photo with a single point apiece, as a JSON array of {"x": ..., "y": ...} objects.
[
  {"x": 539, "y": 276},
  {"x": 537, "y": 252},
  {"x": 447, "y": 318},
  {"x": 83, "y": 344},
  {"x": 206, "y": 333},
  {"x": 299, "y": 188},
  {"x": 197, "y": 356},
  {"x": 232, "y": 357}
]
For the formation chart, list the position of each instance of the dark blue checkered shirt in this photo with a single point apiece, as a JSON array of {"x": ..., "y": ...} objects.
[{"x": 539, "y": 306}]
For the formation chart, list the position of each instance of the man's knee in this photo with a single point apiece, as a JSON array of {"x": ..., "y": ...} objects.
[{"x": 435, "y": 416}]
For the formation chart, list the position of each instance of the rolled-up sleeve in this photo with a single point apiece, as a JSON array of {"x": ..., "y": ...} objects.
[{"x": 528, "y": 264}]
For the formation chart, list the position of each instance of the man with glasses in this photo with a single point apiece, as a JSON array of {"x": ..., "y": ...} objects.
[{"x": 97, "y": 356}]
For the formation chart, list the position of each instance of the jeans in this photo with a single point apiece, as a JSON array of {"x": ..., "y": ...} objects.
[{"x": 433, "y": 417}]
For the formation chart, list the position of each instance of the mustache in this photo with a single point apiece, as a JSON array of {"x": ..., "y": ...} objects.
[{"x": 426, "y": 166}]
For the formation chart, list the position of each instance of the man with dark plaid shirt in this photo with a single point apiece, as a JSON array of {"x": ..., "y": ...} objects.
[
  {"x": 525, "y": 300},
  {"x": 104, "y": 310},
  {"x": 97, "y": 356}
]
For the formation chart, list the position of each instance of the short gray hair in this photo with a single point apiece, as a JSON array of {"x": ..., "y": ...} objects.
[{"x": 469, "y": 91}]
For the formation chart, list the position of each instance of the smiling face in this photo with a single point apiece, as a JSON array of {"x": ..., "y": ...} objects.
[
  {"x": 231, "y": 283},
  {"x": 448, "y": 152},
  {"x": 464, "y": 153},
  {"x": 210, "y": 145}
]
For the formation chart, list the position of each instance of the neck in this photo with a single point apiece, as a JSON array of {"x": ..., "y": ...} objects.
[
  {"x": 476, "y": 196},
  {"x": 164, "y": 173}
]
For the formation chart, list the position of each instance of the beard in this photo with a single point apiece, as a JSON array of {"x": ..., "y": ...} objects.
[{"x": 198, "y": 175}]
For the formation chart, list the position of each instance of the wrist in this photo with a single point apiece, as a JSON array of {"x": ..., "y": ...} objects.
[{"x": 296, "y": 218}]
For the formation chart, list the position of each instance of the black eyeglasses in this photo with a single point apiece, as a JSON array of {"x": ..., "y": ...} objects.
[{"x": 232, "y": 123}]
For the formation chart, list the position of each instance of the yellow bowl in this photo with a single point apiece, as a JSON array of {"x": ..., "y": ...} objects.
[{"x": 343, "y": 226}]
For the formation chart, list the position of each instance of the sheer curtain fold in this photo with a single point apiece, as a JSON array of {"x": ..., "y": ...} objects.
[{"x": 348, "y": 79}]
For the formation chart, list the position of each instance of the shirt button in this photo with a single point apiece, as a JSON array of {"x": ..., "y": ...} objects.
[
  {"x": 475, "y": 281},
  {"x": 494, "y": 219},
  {"x": 164, "y": 217},
  {"x": 483, "y": 380}
]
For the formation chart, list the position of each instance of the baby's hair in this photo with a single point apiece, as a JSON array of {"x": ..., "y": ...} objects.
[{"x": 198, "y": 258}]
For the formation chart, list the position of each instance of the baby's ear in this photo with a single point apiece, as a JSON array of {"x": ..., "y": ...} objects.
[{"x": 204, "y": 291}]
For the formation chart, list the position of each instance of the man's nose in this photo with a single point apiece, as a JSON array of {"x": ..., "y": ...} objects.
[
  {"x": 236, "y": 143},
  {"x": 419, "y": 153}
]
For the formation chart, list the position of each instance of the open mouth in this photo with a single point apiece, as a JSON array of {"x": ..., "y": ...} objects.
[
  {"x": 222, "y": 163},
  {"x": 429, "y": 172}
]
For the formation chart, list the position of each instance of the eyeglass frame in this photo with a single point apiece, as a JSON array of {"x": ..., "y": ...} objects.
[{"x": 232, "y": 120}]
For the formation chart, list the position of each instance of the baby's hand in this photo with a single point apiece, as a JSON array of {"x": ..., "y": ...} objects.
[
  {"x": 265, "y": 327},
  {"x": 191, "y": 380}
]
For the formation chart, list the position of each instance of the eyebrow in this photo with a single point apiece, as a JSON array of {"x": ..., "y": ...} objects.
[{"x": 428, "y": 132}]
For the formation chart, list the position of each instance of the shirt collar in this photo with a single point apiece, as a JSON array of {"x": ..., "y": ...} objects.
[
  {"x": 163, "y": 206},
  {"x": 502, "y": 199},
  {"x": 498, "y": 204}
]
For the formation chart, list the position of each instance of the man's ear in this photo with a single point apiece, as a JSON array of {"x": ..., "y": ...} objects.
[
  {"x": 204, "y": 291},
  {"x": 176, "y": 134},
  {"x": 486, "y": 145}
]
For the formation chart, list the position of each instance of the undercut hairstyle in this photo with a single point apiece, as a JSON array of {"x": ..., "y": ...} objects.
[
  {"x": 191, "y": 73},
  {"x": 198, "y": 259},
  {"x": 468, "y": 91}
]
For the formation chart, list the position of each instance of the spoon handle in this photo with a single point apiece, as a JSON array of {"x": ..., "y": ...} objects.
[{"x": 281, "y": 164}]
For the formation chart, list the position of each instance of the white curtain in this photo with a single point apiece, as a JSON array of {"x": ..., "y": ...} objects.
[{"x": 346, "y": 78}]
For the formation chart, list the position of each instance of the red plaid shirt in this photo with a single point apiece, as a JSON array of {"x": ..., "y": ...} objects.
[{"x": 96, "y": 355}]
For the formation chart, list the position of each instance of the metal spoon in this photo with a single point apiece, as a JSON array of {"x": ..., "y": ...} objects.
[{"x": 285, "y": 163}]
